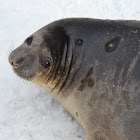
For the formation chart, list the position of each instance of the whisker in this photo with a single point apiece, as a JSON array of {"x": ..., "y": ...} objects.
[{"x": 11, "y": 47}]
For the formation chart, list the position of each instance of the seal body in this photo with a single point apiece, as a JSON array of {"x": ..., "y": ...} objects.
[{"x": 93, "y": 68}]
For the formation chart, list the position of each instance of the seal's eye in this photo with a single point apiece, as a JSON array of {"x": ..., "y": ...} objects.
[
  {"x": 45, "y": 63},
  {"x": 29, "y": 40}
]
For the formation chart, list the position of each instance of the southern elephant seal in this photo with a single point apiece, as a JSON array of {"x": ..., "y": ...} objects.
[{"x": 92, "y": 67}]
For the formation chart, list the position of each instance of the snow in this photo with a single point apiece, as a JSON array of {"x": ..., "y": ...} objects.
[{"x": 27, "y": 112}]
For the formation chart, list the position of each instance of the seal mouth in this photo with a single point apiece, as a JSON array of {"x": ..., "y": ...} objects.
[{"x": 24, "y": 73}]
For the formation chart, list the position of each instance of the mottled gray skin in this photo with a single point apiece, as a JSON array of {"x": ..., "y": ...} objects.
[{"x": 94, "y": 73}]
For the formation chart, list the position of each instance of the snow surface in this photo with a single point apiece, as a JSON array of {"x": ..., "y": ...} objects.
[{"x": 27, "y": 112}]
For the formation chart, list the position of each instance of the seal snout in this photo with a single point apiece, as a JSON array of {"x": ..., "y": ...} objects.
[
  {"x": 18, "y": 57},
  {"x": 24, "y": 62},
  {"x": 13, "y": 64},
  {"x": 17, "y": 63}
]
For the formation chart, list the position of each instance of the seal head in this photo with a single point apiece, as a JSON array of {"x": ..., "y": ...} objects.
[{"x": 38, "y": 58}]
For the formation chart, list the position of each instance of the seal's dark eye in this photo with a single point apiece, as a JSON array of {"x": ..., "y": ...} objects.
[
  {"x": 29, "y": 40},
  {"x": 45, "y": 63}
]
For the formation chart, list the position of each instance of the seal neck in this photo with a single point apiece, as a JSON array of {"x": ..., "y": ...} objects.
[
  {"x": 59, "y": 76},
  {"x": 67, "y": 69}
]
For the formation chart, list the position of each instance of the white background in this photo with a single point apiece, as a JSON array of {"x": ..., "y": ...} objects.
[{"x": 27, "y": 112}]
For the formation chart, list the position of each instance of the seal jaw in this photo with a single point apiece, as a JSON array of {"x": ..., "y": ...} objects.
[{"x": 24, "y": 73}]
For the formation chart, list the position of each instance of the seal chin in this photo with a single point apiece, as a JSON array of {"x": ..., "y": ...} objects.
[{"x": 24, "y": 73}]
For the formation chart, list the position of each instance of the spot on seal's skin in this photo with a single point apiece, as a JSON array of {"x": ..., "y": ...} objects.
[
  {"x": 112, "y": 44},
  {"x": 93, "y": 100},
  {"x": 87, "y": 81},
  {"x": 78, "y": 42}
]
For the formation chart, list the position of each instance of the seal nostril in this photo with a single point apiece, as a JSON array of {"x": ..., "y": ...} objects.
[{"x": 12, "y": 63}]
